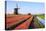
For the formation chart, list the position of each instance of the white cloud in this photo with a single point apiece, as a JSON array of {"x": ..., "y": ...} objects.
[{"x": 10, "y": 12}]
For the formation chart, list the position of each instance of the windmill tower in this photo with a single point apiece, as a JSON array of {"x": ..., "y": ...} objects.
[{"x": 16, "y": 9}]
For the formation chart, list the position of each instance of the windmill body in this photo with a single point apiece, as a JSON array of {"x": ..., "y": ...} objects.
[{"x": 16, "y": 9}]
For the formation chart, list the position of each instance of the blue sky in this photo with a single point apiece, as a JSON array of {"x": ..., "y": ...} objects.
[{"x": 26, "y": 7}]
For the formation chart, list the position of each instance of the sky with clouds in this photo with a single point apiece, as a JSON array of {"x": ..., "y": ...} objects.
[{"x": 25, "y": 7}]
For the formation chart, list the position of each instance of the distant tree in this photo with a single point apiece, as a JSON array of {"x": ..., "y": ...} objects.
[{"x": 29, "y": 13}]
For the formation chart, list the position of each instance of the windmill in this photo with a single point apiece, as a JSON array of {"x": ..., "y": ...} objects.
[{"x": 16, "y": 9}]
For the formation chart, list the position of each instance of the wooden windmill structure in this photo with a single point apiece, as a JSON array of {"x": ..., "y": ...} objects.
[{"x": 16, "y": 9}]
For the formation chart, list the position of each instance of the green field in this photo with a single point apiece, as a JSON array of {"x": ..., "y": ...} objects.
[
  {"x": 37, "y": 23},
  {"x": 42, "y": 16}
]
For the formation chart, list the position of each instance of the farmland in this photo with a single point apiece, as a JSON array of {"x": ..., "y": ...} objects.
[
  {"x": 16, "y": 19},
  {"x": 22, "y": 22}
]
